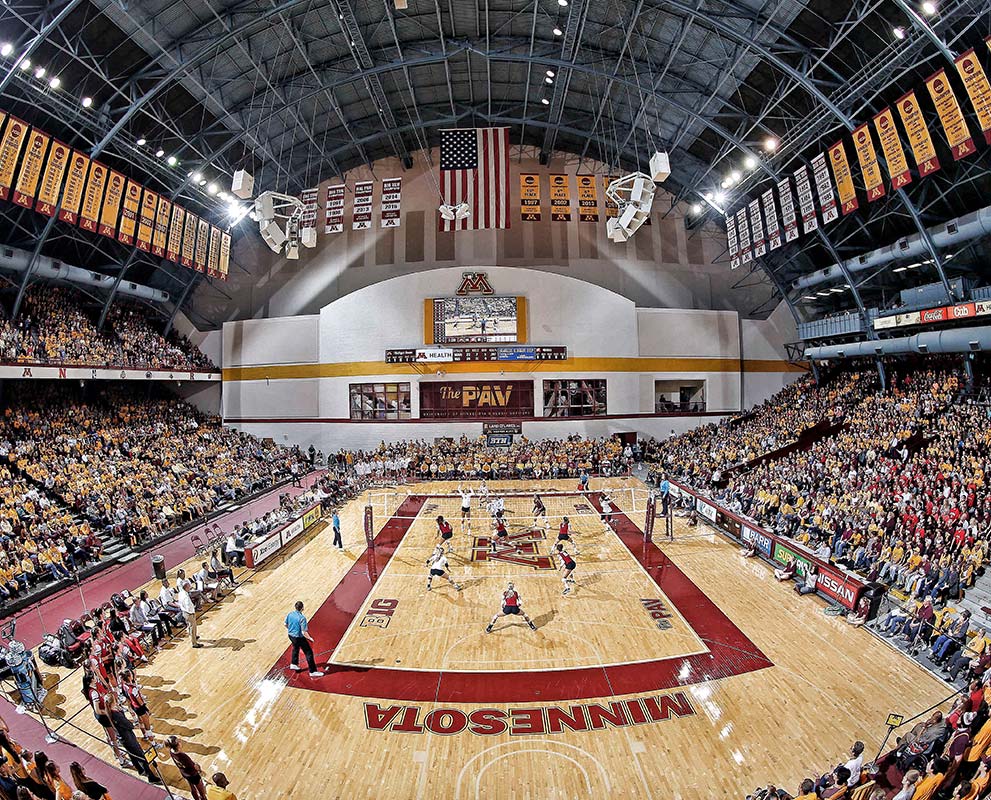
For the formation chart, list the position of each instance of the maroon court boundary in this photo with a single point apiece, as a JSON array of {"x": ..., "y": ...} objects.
[{"x": 730, "y": 651}]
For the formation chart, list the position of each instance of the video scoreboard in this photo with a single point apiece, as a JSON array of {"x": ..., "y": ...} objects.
[{"x": 413, "y": 355}]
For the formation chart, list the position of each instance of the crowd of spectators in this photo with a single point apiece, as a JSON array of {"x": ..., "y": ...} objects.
[
  {"x": 82, "y": 465},
  {"x": 464, "y": 458},
  {"x": 55, "y": 327},
  {"x": 709, "y": 451}
]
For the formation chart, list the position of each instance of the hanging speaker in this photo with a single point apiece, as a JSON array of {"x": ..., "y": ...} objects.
[
  {"x": 660, "y": 166},
  {"x": 243, "y": 185}
]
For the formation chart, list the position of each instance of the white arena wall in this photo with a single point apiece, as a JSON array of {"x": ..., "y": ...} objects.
[{"x": 288, "y": 378}]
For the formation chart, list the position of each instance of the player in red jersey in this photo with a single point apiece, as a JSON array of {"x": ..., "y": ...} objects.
[
  {"x": 444, "y": 533},
  {"x": 568, "y": 564},
  {"x": 564, "y": 534},
  {"x": 511, "y": 606},
  {"x": 136, "y": 700},
  {"x": 539, "y": 510},
  {"x": 500, "y": 537}
]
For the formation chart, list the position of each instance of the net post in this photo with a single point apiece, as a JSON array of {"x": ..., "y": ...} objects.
[
  {"x": 651, "y": 513},
  {"x": 369, "y": 527}
]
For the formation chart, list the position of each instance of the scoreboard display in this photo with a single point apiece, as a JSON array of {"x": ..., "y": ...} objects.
[{"x": 496, "y": 353}]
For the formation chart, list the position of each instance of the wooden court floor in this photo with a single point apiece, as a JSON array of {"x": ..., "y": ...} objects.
[{"x": 684, "y": 671}]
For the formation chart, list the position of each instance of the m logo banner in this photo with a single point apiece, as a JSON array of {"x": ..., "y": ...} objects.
[{"x": 474, "y": 283}]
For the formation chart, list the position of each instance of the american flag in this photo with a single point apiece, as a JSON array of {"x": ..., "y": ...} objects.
[{"x": 474, "y": 168}]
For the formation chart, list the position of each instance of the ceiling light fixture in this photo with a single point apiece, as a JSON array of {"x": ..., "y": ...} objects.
[
  {"x": 550, "y": 73},
  {"x": 750, "y": 162},
  {"x": 6, "y": 49},
  {"x": 545, "y": 101},
  {"x": 40, "y": 72},
  {"x": 929, "y": 8},
  {"x": 55, "y": 82},
  {"x": 558, "y": 32},
  {"x": 548, "y": 80},
  {"x": 562, "y": 3},
  {"x": 735, "y": 176},
  {"x": 88, "y": 101},
  {"x": 212, "y": 189},
  {"x": 770, "y": 144},
  {"x": 172, "y": 161},
  {"x": 696, "y": 208},
  {"x": 141, "y": 142},
  {"x": 197, "y": 177},
  {"x": 719, "y": 198},
  {"x": 25, "y": 64},
  {"x": 899, "y": 32},
  {"x": 159, "y": 153}
]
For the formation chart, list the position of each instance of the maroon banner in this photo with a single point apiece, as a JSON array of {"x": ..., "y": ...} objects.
[{"x": 476, "y": 399}]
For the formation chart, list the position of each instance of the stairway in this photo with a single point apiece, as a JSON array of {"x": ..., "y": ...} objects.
[{"x": 978, "y": 600}]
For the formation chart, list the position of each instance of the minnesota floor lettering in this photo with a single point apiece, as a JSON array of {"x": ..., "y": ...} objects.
[{"x": 528, "y": 721}]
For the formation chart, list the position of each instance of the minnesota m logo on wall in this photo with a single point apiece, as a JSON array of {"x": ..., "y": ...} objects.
[{"x": 474, "y": 283}]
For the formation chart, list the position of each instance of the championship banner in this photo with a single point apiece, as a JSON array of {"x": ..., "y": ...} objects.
[
  {"x": 771, "y": 220},
  {"x": 891, "y": 147},
  {"x": 111, "y": 205},
  {"x": 147, "y": 220},
  {"x": 129, "y": 214},
  {"x": 824, "y": 187},
  {"x": 392, "y": 198},
  {"x": 160, "y": 228},
  {"x": 560, "y": 198},
  {"x": 588, "y": 199},
  {"x": 213, "y": 258},
  {"x": 743, "y": 231},
  {"x": 334, "y": 210},
  {"x": 173, "y": 247},
  {"x": 27, "y": 178},
  {"x": 309, "y": 220},
  {"x": 51, "y": 180},
  {"x": 918, "y": 134},
  {"x": 787, "y": 200},
  {"x": 92, "y": 197},
  {"x": 189, "y": 240},
  {"x": 223, "y": 265},
  {"x": 731, "y": 242},
  {"x": 955, "y": 126},
  {"x": 362, "y": 212},
  {"x": 873, "y": 179},
  {"x": 756, "y": 228},
  {"x": 529, "y": 197},
  {"x": 976, "y": 83},
  {"x": 806, "y": 204},
  {"x": 612, "y": 210},
  {"x": 10, "y": 150},
  {"x": 75, "y": 181},
  {"x": 202, "y": 245},
  {"x": 843, "y": 177}
]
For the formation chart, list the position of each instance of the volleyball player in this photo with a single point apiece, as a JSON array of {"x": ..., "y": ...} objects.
[
  {"x": 465, "y": 507},
  {"x": 136, "y": 700},
  {"x": 501, "y": 535},
  {"x": 605, "y": 502},
  {"x": 568, "y": 564},
  {"x": 564, "y": 534},
  {"x": 439, "y": 567},
  {"x": 444, "y": 533},
  {"x": 539, "y": 510},
  {"x": 511, "y": 606}
]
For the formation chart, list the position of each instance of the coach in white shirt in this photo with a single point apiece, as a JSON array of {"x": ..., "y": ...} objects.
[{"x": 189, "y": 614}]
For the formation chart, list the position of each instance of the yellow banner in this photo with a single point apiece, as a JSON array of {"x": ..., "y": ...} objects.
[
  {"x": 529, "y": 197},
  {"x": 918, "y": 134},
  {"x": 844, "y": 180},
  {"x": 560, "y": 198},
  {"x": 588, "y": 199},
  {"x": 111, "y": 205},
  {"x": 976, "y": 83},
  {"x": 51, "y": 179},
  {"x": 173, "y": 248},
  {"x": 225, "y": 255},
  {"x": 10, "y": 150},
  {"x": 189, "y": 240},
  {"x": 129, "y": 213},
  {"x": 202, "y": 245},
  {"x": 160, "y": 228},
  {"x": 891, "y": 146},
  {"x": 93, "y": 196},
  {"x": 612, "y": 210},
  {"x": 955, "y": 126},
  {"x": 871, "y": 170},
  {"x": 146, "y": 221},
  {"x": 75, "y": 182},
  {"x": 213, "y": 259},
  {"x": 34, "y": 158}
]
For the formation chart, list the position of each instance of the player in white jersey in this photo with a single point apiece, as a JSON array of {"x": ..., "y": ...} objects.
[
  {"x": 605, "y": 503},
  {"x": 439, "y": 568},
  {"x": 466, "y": 495}
]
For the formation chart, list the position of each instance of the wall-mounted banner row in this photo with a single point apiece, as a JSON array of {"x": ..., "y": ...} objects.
[{"x": 41, "y": 173}]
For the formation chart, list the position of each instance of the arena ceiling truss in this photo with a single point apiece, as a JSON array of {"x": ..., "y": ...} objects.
[{"x": 302, "y": 90}]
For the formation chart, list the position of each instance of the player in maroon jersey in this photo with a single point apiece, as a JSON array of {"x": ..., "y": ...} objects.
[
  {"x": 511, "y": 606},
  {"x": 564, "y": 534},
  {"x": 568, "y": 564},
  {"x": 444, "y": 533}
]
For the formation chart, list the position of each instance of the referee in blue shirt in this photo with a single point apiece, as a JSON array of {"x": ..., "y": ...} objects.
[
  {"x": 336, "y": 524},
  {"x": 300, "y": 638}
]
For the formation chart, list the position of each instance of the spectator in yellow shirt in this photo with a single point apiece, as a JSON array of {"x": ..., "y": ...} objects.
[{"x": 218, "y": 790}]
